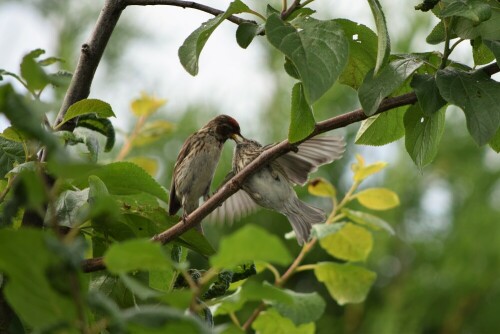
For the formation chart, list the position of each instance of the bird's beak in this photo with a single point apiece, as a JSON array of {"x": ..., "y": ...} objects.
[{"x": 237, "y": 137}]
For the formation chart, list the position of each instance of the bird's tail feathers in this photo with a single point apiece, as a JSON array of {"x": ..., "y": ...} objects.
[{"x": 302, "y": 216}]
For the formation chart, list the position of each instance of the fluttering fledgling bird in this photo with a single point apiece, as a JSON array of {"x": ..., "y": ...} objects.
[
  {"x": 196, "y": 163},
  {"x": 272, "y": 186}
]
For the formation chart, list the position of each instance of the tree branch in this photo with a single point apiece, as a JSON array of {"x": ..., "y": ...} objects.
[
  {"x": 235, "y": 183},
  {"x": 187, "y": 4},
  {"x": 90, "y": 57}
]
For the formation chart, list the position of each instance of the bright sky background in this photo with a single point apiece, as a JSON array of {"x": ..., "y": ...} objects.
[{"x": 230, "y": 77}]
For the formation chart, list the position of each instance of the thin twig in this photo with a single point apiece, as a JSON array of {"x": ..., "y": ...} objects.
[{"x": 187, "y": 4}]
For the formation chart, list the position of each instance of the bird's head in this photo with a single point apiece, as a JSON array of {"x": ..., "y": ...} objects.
[{"x": 225, "y": 127}]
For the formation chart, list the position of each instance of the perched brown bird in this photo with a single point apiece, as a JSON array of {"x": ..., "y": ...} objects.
[
  {"x": 196, "y": 163},
  {"x": 271, "y": 187}
]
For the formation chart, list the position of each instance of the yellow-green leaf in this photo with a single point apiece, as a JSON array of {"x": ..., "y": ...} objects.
[
  {"x": 152, "y": 131},
  {"x": 367, "y": 219},
  {"x": 321, "y": 187},
  {"x": 146, "y": 105},
  {"x": 351, "y": 243},
  {"x": 378, "y": 198},
  {"x": 346, "y": 283},
  {"x": 361, "y": 171}
]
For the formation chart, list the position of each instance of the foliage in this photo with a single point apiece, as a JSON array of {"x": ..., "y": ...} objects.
[{"x": 85, "y": 206}]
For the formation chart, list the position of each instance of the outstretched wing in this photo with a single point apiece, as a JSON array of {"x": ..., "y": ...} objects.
[
  {"x": 311, "y": 154},
  {"x": 238, "y": 205}
]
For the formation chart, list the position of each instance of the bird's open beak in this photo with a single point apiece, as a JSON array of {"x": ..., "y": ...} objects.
[{"x": 237, "y": 137}]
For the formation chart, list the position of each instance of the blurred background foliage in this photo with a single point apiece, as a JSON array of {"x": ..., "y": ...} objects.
[{"x": 439, "y": 274}]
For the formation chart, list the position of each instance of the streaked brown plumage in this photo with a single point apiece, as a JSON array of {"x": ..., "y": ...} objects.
[
  {"x": 196, "y": 163},
  {"x": 271, "y": 187}
]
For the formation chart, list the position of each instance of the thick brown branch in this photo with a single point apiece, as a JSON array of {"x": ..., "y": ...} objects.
[
  {"x": 90, "y": 57},
  {"x": 187, "y": 4},
  {"x": 235, "y": 183}
]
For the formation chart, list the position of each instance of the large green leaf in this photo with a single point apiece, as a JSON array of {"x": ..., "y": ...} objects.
[
  {"x": 189, "y": 52},
  {"x": 477, "y": 95},
  {"x": 423, "y": 134},
  {"x": 367, "y": 219},
  {"x": 94, "y": 107},
  {"x": 487, "y": 30},
  {"x": 38, "y": 298},
  {"x": 375, "y": 88},
  {"x": 11, "y": 152},
  {"x": 240, "y": 247},
  {"x": 245, "y": 33},
  {"x": 32, "y": 71},
  {"x": 24, "y": 117},
  {"x": 302, "y": 119},
  {"x": 494, "y": 46},
  {"x": 427, "y": 92},
  {"x": 495, "y": 142},
  {"x": 362, "y": 52},
  {"x": 125, "y": 178},
  {"x": 253, "y": 291},
  {"x": 271, "y": 322},
  {"x": 318, "y": 49},
  {"x": 474, "y": 10},
  {"x": 306, "y": 307},
  {"x": 384, "y": 44},
  {"x": 381, "y": 129},
  {"x": 351, "y": 243},
  {"x": 137, "y": 254},
  {"x": 346, "y": 283}
]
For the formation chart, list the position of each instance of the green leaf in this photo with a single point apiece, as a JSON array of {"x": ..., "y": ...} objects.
[
  {"x": 494, "y": 46},
  {"x": 369, "y": 220},
  {"x": 429, "y": 99},
  {"x": 318, "y": 49},
  {"x": 476, "y": 94},
  {"x": 93, "y": 147},
  {"x": 149, "y": 319},
  {"x": 495, "y": 142},
  {"x": 50, "y": 60},
  {"x": 271, "y": 322},
  {"x": 100, "y": 125},
  {"x": 384, "y": 43},
  {"x": 32, "y": 72},
  {"x": 153, "y": 131},
  {"x": 351, "y": 243},
  {"x": 362, "y": 51},
  {"x": 252, "y": 291},
  {"x": 245, "y": 34},
  {"x": 322, "y": 230},
  {"x": 375, "y": 88},
  {"x": 30, "y": 290},
  {"x": 11, "y": 133},
  {"x": 487, "y": 30},
  {"x": 302, "y": 119},
  {"x": 437, "y": 34},
  {"x": 24, "y": 117},
  {"x": 138, "y": 289},
  {"x": 481, "y": 54},
  {"x": 306, "y": 307},
  {"x": 189, "y": 52},
  {"x": 290, "y": 69},
  {"x": 11, "y": 153},
  {"x": 115, "y": 174},
  {"x": 423, "y": 134},
  {"x": 476, "y": 11},
  {"x": 346, "y": 283},
  {"x": 381, "y": 129},
  {"x": 377, "y": 198},
  {"x": 68, "y": 207},
  {"x": 94, "y": 107},
  {"x": 240, "y": 248},
  {"x": 137, "y": 254}
]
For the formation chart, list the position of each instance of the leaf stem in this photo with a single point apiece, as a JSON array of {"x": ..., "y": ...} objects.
[
  {"x": 305, "y": 267},
  {"x": 234, "y": 319},
  {"x": 127, "y": 146},
  {"x": 275, "y": 271},
  {"x": 447, "y": 51}
]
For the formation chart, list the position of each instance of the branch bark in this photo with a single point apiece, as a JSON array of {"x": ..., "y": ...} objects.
[{"x": 235, "y": 183}]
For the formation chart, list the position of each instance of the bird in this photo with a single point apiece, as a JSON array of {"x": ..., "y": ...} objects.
[
  {"x": 271, "y": 187},
  {"x": 196, "y": 163}
]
